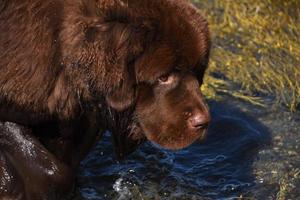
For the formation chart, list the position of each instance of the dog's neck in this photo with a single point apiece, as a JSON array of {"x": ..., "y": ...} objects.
[{"x": 126, "y": 133}]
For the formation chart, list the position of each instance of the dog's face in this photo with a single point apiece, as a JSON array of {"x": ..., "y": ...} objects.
[
  {"x": 169, "y": 108},
  {"x": 172, "y": 111}
]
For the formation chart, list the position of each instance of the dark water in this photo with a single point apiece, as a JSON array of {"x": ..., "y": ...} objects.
[{"x": 246, "y": 156}]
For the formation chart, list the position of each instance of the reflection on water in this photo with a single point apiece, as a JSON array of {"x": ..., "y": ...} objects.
[{"x": 238, "y": 159}]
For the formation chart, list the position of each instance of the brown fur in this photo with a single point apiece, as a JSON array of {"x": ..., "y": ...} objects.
[{"x": 61, "y": 59}]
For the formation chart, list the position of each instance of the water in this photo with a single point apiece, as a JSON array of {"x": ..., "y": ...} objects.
[{"x": 250, "y": 153}]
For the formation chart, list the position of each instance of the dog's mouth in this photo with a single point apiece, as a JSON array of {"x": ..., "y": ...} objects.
[{"x": 179, "y": 141}]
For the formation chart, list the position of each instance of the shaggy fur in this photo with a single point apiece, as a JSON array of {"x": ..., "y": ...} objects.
[
  {"x": 69, "y": 69},
  {"x": 57, "y": 58},
  {"x": 56, "y": 55}
]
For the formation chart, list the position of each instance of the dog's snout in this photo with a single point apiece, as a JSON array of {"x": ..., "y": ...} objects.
[{"x": 199, "y": 120}]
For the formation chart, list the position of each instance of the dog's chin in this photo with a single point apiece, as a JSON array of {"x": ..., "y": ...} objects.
[{"x": 181, "y": 142}]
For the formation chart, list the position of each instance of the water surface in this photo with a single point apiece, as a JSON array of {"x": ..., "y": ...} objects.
[{"x": 250, "y": 153}]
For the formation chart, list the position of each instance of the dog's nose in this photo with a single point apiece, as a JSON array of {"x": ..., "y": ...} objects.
[{"x": 199, "y": 120}]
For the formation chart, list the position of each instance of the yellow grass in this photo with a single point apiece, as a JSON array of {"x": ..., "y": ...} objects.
[{"x": 256, "y": 50}]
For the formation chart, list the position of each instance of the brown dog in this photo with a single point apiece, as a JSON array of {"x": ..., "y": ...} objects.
[{"x": 69, "y": 69}]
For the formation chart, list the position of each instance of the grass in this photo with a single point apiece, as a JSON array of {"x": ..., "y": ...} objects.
[{"x": 256, "y": 50}]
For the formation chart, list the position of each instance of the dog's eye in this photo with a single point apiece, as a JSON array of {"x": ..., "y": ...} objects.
[{"x": 165, "y": 79}]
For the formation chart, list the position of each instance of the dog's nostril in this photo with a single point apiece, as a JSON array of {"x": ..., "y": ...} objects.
[{"x": 199, "y": 120}]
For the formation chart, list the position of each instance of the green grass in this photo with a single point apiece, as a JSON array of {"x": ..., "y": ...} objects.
[{"x": 256, "y": 50}]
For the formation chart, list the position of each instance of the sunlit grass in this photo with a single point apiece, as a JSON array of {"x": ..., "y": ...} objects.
[{"x": 256, "y": 50}]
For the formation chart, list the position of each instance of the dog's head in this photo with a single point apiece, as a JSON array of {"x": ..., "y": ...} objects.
[
  {"x": 169, "y": 107},
  {"x": 172, "y": 111},
  {"x": 150, "y": 56}
]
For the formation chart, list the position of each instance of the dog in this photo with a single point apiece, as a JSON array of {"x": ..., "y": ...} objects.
[{"x": 70, "y": 70}]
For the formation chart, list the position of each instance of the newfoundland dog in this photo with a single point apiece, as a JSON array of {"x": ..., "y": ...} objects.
[{"x": 69, "y": 70}]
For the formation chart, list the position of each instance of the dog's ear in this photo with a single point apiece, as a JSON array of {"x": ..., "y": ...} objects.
[
  {"x": 107, "y": 56},
  {"x": 123, "y": 47},
  {"x": 101, "y": 48}
]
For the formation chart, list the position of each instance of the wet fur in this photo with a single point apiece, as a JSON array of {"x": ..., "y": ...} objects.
[{"x": 69, "y": 69}]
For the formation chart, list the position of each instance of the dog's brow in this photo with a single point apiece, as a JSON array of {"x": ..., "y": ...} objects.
[{"x": 184, "y": 69}]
